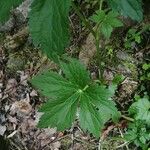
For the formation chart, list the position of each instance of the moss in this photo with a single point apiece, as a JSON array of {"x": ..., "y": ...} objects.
[{"x": 133, "y": 69}]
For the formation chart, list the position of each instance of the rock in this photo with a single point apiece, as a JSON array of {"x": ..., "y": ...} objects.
[
  {"x": 22, "y": 11},
  {"x": 8, "y": 26},
  {"x": 88, "y": 50},
  {"x": 33, "y": 93},
  {"x": 122, "y": 55}
]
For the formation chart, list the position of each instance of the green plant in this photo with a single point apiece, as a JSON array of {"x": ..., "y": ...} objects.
[
  {"x": 138, "y": 133},
  {"x": 141, "y": 110},
  {"x": 75, "y": 92},
  {"x": 106, "y": 22},
  {"x": 49, "y": 29},
  {"x": 146, "y": 74},
  {"x": 131, "y": 37},
  {"x": 139, "y": 130},
  {"x": 134, "y": 36},
  {"x": 131, "y": 8}
]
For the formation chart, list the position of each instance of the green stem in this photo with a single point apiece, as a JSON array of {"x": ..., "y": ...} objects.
[
  {"x": 85, "y": 87},
  {"x": 101, "y": 4},
  {"x": 127, "y": 118},
  {"x": 99, "y": 57},
  {"x": 86, "y": 23},
  {"x": 97, "y": 42}
]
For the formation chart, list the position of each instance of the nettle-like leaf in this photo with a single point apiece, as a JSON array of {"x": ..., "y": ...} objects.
[
  {"x": 49, "y": 25},
  {"x": 5, "y": 7},
  {"x": 141, "y": 110},
  {"x": 138, "y": 132},
  {"x": 106, "y": 22},
  {"x": 130, "y": 8},
  {"x": 71, "y": 93}
]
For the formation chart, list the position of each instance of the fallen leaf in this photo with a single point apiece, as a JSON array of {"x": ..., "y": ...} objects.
[
  {"x": 22, "y": 108},
  {"x": 2, "y": 130}
]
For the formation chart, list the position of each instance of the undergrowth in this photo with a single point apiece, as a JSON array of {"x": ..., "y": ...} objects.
[{"x": 72, "y": 93}]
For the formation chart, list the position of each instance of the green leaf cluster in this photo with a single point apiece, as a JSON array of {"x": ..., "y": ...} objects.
[
  {"x": 106, "y": 22},
  {"x": 141, "y": 110},
  {"x": 130, "y": 8},
  {"x": 146, "y": 66},
  {"x": 138, "y": 133},
  {"x": 74, "y": 93}
]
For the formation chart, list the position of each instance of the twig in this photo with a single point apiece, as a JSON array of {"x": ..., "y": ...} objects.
[
  {"x": 106, "y": 132},
  {"x": 99, "y": 144},
  {"x": 72, "y": 137},
  {"x": 124, "y": 144},
  {"x": 14, "y": 144}
]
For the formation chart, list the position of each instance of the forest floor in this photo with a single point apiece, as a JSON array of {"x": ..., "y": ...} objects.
[{"x": 19, "y": 101}]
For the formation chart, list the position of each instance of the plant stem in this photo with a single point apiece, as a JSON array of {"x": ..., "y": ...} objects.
[
  {"x": 95, "y": 34},
  {"x": 127, "y": 118},
  {"x": 86, "y": 23},
  {"x": 100, "y": 4},
  {"x": 97, "y": 43},
  {"x": 99, "y": 53},
  {"x": 85, "y": 87}
]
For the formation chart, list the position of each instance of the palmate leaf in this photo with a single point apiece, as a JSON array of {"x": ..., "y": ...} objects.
[
  {"x": 73, "y": 72},
  {"x": 141, "y": 110},
  {"x": 5, "y": 7},
  {"x": 59, "y": 113},
  {"x": 131, "y": 8},
  {"x": 101, "y": 98},
  {"x": 51, "y": 84},
  {"x": 71, "y": 92},
  {"x": 89, "y": 117},
  {"x": 49, "y": 26}
]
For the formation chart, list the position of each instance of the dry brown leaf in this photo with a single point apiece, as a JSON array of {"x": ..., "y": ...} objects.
[
  {"x": 2, "y": 130},
  {"x": 88, "y": 50},
  {"x": 22, "y": 108}
]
